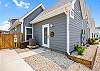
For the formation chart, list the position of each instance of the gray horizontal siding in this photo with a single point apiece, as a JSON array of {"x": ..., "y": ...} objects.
[
  {"x": 75, "y": 26},
  {"x": 57, "y": 42},
  {"x": 29, "y": 18}
]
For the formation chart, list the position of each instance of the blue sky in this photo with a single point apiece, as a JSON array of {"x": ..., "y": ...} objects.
[
  {"x": 17, "y": 8},
  {"x": 94, "y": 6}
]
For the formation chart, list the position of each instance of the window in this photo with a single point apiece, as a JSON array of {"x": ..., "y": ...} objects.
[
  {"x": 28, "y": 33},
  {"x": 92, "y": 35},
  {"x": 97, "y": 36},
  {"x": 29, "y": 36},
  {"x": 72, "y": 13},
  {"x": 84, "y": 31},
  {"x": 29, "y": 30},
  {"x": 15, "y": 29}
]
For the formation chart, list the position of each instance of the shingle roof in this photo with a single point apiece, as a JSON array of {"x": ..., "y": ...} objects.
[{"x": 58, "y": 4}]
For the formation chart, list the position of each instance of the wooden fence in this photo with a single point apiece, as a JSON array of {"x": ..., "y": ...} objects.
[{"x": 7, "y": 40}]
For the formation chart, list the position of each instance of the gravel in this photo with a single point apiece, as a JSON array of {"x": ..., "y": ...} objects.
[
  {"x": 22, "y": 50},
  {"x": 49, "y": 61}
]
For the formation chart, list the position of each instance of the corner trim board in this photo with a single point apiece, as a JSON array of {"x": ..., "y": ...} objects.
[{"x": 68, "y": 33}]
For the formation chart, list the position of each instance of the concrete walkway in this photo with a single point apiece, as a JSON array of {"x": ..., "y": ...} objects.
[
  {"x": 31, "y": 52},
  {"x": 11, "y": 61}
]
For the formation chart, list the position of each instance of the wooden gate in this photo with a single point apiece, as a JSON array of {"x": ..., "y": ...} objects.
[{"x": 7, "y": 40}]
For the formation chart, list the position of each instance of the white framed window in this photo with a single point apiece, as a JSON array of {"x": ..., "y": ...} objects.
[
  {"x": 15, "y": 29},
  {"x": 72, "y": 13},
  {"x": 28, "y": 33}
]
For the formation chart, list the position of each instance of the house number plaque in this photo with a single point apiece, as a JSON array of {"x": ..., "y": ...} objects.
[{"x": 52, "y": 34}]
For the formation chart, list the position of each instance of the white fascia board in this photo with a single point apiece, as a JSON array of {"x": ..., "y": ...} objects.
[
  {"x": 40, "y": 5},
  {"x": 51, "y": 14},
  {"x": 22, "y": 18},
  {"x": 73, "y": 4}
]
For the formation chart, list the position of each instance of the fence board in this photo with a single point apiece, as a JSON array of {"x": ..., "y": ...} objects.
[{"x": 7, "y": 40}]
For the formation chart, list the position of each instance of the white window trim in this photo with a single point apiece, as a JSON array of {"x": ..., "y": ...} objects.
[
  {"x": 26, "y": 32},
  {"x": 72, "y": 10},
  {"x": 22, "y": 26},
  {"x": 32, "y": 32},
  {"x": 73, "y": 3},
  {"x": 15, "y": 29},
  {"x": 71, "y": 14}
]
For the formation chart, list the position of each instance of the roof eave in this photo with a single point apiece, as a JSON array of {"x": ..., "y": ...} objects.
[
  {"x": 40, "y": 5},
  {"x": 52, "y": 13}
]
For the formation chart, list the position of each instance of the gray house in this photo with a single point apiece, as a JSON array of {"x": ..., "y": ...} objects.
[
  {"x": 90, "y": 25},
  {"x": 60, "y": 27},
  {"x": 97, "y": 34},
  {"x": 22, "y": 25}
]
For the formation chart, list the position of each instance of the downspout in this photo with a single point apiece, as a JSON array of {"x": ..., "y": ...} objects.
[
  {"x": 66, "y": 11},
  {"x": 68, "y": 33}
]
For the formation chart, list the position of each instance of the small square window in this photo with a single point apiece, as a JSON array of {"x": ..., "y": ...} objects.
[
  {"x": 29, "y": 30},
  {"x": 72, "y": 13}
]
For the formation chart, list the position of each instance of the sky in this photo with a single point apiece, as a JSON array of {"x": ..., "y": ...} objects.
[{"x": 17, "y": 8}]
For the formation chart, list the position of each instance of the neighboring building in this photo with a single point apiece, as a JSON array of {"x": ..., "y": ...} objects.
[
  {"x": 90, "y": 25},
  {"x": 4, "y": 32},
  {"x": 62, "y": 26},
  {"x": 22, "y": 25},
  {"x": 93, "y": 29},
  {"x": 12, "y": 21},
  {"x": 97, "y": 32}
]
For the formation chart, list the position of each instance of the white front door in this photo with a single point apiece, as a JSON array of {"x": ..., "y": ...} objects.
[{"x": 45, "y": 35}]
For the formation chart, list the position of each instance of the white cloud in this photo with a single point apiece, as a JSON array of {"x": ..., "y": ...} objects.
[
  {"x": 6, "y": 26},
  {"x": 0, "y": 2},
  {"x": 21, "y": 4},
  {"x": 6, "y": 5}
]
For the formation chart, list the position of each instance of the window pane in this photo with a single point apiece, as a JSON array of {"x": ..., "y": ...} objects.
[
  {"x": 29, "y": 36},
  {"x": 29, "y": 30},
  {"x": 45, "y": 35}
]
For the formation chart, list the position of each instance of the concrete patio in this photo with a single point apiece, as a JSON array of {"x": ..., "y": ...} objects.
[
  {"x": 11, "y": 61},
  {"x": 41, "y": 60},
  {"x": 33, "y": 60}
]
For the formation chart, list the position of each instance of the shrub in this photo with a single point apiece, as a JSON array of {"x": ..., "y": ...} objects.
[
  {"x": 79, "y": 49},
  {"x": 96, "y": 42},
  {"x": 75, "y": 47},
  {"x": 96, "y": 38},
  {"x": 91, "y": 41}
]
